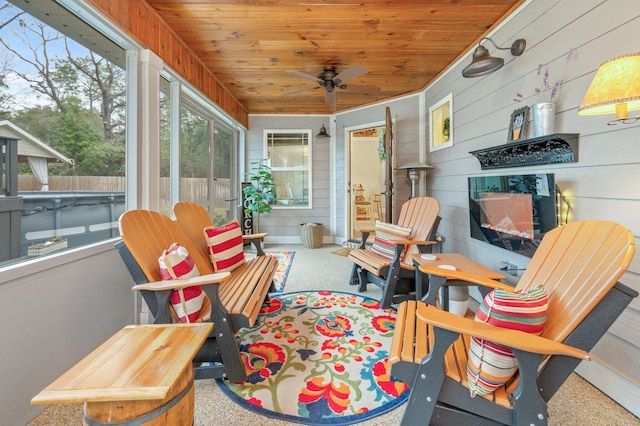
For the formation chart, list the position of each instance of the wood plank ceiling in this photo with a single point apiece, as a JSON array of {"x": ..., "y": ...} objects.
[{"x": 249, "y": 45}]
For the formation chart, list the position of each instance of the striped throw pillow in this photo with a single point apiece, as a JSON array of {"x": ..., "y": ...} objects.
[
  {"x": 176, "y": 263},
  {"x": 225, "y": 246},
  {"x": 491, "y": 365},
  {"x": 385, "y": 232}
]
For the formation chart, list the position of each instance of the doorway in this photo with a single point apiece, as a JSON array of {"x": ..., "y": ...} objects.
[{"x": 367, "y": 166}]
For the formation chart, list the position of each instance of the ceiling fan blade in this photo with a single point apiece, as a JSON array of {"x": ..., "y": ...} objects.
[
  {"x": 353, "y": 72},
  {"x": 361, "y": 89},
  {"x": 330, "y": 98},
  {"x": 300, "y": 91},
  {"x": 303, "y": 75}
]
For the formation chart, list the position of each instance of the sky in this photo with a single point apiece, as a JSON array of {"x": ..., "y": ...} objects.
[{"x": 10, "y": 34}]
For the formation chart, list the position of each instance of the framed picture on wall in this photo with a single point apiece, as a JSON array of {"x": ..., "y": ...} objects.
[
  {"x": 518, "y": 124},
  {"x": 441, "y": 124}
]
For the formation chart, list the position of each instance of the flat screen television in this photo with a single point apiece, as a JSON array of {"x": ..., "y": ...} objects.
[{"x": 512, "y": 212}]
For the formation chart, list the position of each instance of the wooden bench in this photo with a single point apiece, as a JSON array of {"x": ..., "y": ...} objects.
[
  {"x": 193, "y": 218},
  {"x": 235, "y": 298},
  {"x": 579, "y": 265}
]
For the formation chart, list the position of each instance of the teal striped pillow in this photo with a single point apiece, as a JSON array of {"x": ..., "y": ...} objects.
[
  {"x": 385, "y": 232},
  {"x": 491, "y": 365}
]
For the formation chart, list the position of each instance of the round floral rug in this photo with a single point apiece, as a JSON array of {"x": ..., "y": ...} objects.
[{"x": 319, "y": 358}]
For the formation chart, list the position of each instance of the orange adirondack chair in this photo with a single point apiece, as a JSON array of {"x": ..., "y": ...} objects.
[
  {"x": 421, "y": 215},
  {"x": 579, "y": 265}
]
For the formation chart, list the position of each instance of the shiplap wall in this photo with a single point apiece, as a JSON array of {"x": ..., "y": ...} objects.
[
  {"x": 283, "y": 224},
  {"x": 603, "y": 184}
]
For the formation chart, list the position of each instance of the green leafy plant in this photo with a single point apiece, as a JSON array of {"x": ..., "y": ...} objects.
[
  {"x": 446, "y": 126},
  {"x": 261, "y": 194}
]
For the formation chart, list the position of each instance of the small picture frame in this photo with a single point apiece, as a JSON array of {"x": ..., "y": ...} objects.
[
  {"x": 441, "y": 124},
  {"x": 518, "y": 124}
]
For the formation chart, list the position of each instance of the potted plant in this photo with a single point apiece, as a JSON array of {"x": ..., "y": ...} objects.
[{"x": 261, "y": 194}]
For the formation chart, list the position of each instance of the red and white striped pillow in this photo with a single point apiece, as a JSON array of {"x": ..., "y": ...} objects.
[
  {"x": 491, "y": 365},
  {"x": 176, "y": 263},
  {"x": 225, "y": 246},
  {"x": 385, "y": 232}
]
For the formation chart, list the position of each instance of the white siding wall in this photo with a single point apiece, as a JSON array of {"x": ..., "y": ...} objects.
[
  {"x": 604, "y": 184},
  {"x": 53, "y": 313},
  {"x": 283, "y": 224}
]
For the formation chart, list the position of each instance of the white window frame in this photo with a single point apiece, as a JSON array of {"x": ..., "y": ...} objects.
[{"x": 308, "y": 168}]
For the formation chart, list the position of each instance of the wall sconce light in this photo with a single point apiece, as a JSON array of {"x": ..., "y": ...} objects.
[
  {"x": 483, "y": 63},
  {"x": 323, "y": 133},
  {"x": 413, "y": 173},
  {"x": 615, "y": 89}
]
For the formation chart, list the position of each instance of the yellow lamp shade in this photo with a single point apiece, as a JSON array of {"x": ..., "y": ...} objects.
[{"x": 615, "y": 89}]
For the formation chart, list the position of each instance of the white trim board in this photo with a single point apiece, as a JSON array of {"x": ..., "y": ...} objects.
[{"x": 616, "y": 387}]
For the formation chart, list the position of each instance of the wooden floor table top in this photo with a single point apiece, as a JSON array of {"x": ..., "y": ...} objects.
[
  {"x": 462, "y": 263},
  {"x": 139, "y": 362}
]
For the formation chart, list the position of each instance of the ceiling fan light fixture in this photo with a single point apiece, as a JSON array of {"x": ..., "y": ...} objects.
[
  {"x": 483, "y": 63},
  {"x": 322, "y": 134},
  {"x": 329, "y": 79}
]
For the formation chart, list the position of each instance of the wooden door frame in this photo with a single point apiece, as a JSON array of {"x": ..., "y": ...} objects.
[{"x": 347, "y": 149}]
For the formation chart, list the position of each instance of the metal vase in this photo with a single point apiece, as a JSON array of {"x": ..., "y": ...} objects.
[{"x": 543, "y": 118}]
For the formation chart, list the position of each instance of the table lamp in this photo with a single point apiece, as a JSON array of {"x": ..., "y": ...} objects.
[
  {"x": 413, "y": 173},
  {"x": 615, "y": 89}
]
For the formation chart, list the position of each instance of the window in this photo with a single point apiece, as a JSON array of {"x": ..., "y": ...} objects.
[
  {"x": 288, "y": 152},
  {"x": 194, "y": 157},
  {"x": 165, "y": 147},
  {"x": 63, "y": 97},
  {"x": 224, "y": 200},
  {"x": 65, "y": 80},
  {"x": 207, "y": 162}
]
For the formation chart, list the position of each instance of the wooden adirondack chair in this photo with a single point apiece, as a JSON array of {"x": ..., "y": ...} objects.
[
  {"x": 421, "y": 215},
  {"x": 579, "y": 265}
]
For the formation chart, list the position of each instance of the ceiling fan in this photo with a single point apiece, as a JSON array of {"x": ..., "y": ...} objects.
[{"x": 329, "y": 79}]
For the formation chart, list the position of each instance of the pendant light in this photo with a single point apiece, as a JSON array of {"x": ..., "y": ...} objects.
[{"x": 323, "y": 133}]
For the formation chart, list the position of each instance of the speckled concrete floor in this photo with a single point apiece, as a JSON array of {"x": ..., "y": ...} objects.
[{"x": 576, "y": 403}]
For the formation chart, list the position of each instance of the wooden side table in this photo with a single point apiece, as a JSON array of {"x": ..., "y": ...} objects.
[
  {"x": 142, "y": 374},
  {"x": 461, "y": 263}
]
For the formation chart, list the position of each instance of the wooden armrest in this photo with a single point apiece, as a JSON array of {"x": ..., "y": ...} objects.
[
  {"x": 503, "y": 336},
  {"x": 189, "y": 282},
  {"x": 464, "y": 276},
  {"x": 412, "y": 242},
  {"x": 254, "y": 236},
  {"x": 368, "y": 231}
]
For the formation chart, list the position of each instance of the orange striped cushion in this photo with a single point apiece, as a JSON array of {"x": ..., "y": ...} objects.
[
  {"x": 385, "y": 232},
  {"x": 225, "y": 246},
  {"x": 491, "y": 365}
]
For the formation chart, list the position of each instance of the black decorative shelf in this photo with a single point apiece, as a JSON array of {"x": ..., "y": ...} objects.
[{"x": 549, "y": 149}]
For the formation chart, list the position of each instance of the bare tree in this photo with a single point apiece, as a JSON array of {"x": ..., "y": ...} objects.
[
  {"x": 37, "y": 55},
  {"x": 4, "y": 69},
  {"x": 104, "y": 84},
  {"x": 10, "y": 19}
]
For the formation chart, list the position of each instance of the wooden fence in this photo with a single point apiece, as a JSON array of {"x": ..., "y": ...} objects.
[{"x": 192, "y": 189}]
